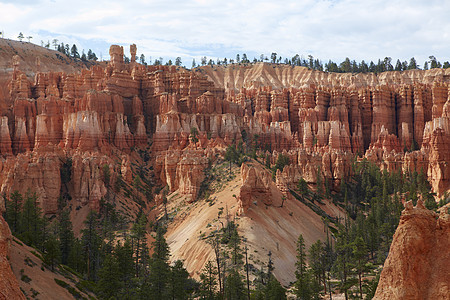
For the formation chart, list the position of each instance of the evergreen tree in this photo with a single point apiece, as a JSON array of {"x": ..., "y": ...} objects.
[
  {"x": 302, "y": 283},
  {"x": 282, "y": 161},
  {"x": 109, "y": 284},
  {"x": 77, "y": 258},
  {"x": 303, "y": 188},
  {"x": 234, "y": 286},
  {"x": 91, "y": 243},
  {"x": 208, "y": 282},
  {"x": 91, "y": 55},
  {"x": 359, "y": 255},
  {"x": 342, "y": 264},
  {"x": 398, "y": 66},
  {"x": 13, "y": 211},
  {"x": 52, "y": 253},
  {"x": 30, "y": 221},
  {"x": 142, "y": 59},
  {"x": 44, "y": 233},
  {"x": 179, "y": 281},
  {"x": 66, "y": 236},
  {"x": 159, "y": 267},
  {"x": 74, "y": 51},
  {"x": 138, "y": 232},
  {"x": 234, "y": 245},
  {"x": 231, "y": 155},
  {"x": 412, "y": 64},
  {"x": 274, "y": 290},
  {"x": 124, "y": 255},
  {"x": 194, "y": 135},
  {"x": 317, "y": 264},
  {"x": 213, "y": 240},
  {"x": 273, "y": 57}
]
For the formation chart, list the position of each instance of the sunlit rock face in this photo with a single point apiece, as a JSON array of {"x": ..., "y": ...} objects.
[{"x": 418, "y": 264}]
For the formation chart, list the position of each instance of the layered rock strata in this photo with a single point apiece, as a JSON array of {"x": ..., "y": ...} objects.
[{"x": 322, "y": 121}]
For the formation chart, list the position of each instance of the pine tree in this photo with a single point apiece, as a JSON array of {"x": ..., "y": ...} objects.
[
  {"x": 234, "y": 245},
  {"x": 124, "y": 255},
  {"x": 109, "y": 282},
  {"x": 52, "y": 253},
  {"x": 231, "y": 155},
  {"x": 179, "y": 281},
  {"x": 342, "y": 264},
  {"x": 66, "y": 236},
  {"x": 234, "y": 286},
  {"x": 76, "y": 259},
  {"x": 359, "y": 256},
  {"x": 274, "y": 290},
  {"x": 142, "y": 59},
  {"x": 30, "y": 221},
  {"x": 412, "y": 64},
  {"x": 215, "y": 244},
  {"x": 139, "y": 232},
  {"x": 74, "y": 51},
  {"x": 302, "y": 284},
  {"x": 91, "y": 244},
  {"x": 208, "y": 282},
  {"x": 13, "y": 211},
  {"x": 317, "y": 264},
  {"x": 159, "y": 267}
]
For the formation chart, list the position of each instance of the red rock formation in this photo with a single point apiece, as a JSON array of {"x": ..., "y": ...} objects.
[
  {"x": 324, "y": 118},
  {"x": 183, "y": 170},
  {"x": 9, "y": 287},
  {"x": 257, "y": 187},
  {"x": 418, "y": 264}
]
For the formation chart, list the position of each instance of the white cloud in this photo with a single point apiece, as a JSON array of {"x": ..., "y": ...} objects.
[{"x": 327, "y": 29}]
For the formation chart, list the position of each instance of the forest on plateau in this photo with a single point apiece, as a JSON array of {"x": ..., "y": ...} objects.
[
  {"x": 346, "y": 66},
  {"x": 115, "y": 260}
]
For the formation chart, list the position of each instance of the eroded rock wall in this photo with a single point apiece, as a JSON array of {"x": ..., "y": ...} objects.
[
  {"x": 418, "y": 264},
  {"x": 399, "y": 120}
]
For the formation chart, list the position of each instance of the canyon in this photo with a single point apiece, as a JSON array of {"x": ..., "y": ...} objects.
[{"x": 175, "y": 122}]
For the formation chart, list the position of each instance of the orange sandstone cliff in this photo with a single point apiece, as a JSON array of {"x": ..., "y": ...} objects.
[
  {"x": 399, "y": 120},
  {"x": 418, "y": 264}
]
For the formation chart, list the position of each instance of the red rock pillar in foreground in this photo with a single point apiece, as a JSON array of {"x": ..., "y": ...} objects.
[{"x": 418, "y": 264}]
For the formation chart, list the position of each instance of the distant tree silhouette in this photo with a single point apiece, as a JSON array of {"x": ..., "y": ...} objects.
[{"x": 74, "y": 51}]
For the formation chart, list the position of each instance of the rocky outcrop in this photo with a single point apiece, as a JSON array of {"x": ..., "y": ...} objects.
[
  {"x": 396, "y": 120},
  {"x": 418, "y": 264},
  {"x": 9, "y": 287},
  {"x": 257, "y": 187},
  {"x": 183, "y": 170}
]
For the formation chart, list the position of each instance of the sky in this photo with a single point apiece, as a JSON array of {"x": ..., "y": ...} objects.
[{"x": 326, "y": 29}]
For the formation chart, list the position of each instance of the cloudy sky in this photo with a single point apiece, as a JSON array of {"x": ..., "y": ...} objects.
[{"x": 326, "y": 29}]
